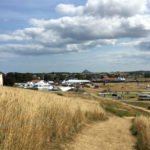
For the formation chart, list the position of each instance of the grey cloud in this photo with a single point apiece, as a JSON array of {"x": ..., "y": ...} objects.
[
  {"x": 29, "y": 49},
  {"x": 122, "y": 57},
  {"x": 145, "y": 45},
  {"x": 76, "y": 33},
  {"x": 69, "y": 34},
  {"x": 87, "y": 28},
  {"x": 116, "y": 7}
]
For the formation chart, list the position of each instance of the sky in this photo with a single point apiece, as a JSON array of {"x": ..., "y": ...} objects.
[{"x": 74, "y": 35}]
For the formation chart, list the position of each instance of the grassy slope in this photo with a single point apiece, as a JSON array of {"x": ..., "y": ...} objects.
[
  {"x": 112, "y": 106},
  {"x": 36, "y": 120},
  {"x": 141, "y": 125}
]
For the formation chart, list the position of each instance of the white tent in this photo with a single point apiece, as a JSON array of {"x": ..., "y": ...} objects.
[
  {"x": 65, "y": 89},
  {"x": 75, "y": 81}
]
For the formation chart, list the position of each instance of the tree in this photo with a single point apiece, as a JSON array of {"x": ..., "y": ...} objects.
[{"x": 9, "y": 79}]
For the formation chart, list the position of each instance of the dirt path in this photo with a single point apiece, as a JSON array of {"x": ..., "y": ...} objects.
[{"x": 113, "y": 134}]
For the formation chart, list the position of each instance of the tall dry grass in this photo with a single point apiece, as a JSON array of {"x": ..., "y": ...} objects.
[
  {"x": 142, "y": 128},
  {"x": 31, "y": 120}
]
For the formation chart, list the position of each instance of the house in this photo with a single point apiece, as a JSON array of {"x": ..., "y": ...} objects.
[
  {"x": 42, "y": 85},
  {"x": 1, "y": 80},
  {"x": 107, "y": 79},
  {"x": 119, "y": 79},
  {"x": 38, "y": 85}
]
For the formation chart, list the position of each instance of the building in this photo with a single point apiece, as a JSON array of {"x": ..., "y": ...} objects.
[
  {"x": 1, "y": 79},
  {"x": 75, "y": 82}
]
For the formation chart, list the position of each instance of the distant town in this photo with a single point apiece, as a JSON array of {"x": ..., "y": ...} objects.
[{"x": 11, "y": 78}]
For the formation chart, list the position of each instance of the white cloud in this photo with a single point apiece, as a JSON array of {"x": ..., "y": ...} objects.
[
  {"x": 106, "y": 8},
  {"x": 93, "y": 25},
  {"x": 115, "y": 7},
  {"x": 70, "y": 9}
]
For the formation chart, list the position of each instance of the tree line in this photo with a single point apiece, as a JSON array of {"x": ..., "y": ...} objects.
[{"x": 14, "y": 77}]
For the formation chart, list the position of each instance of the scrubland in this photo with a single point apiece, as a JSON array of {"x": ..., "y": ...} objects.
[{"x": 31, "y": 120}]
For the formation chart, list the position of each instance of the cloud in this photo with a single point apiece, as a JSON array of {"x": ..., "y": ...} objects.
[
  {"x": 116, "y": 7},
  {"x": 124, "y": 57},
  {"x": 94, "y": 25},
  {"x": 144, "y": 45},
  {"x": 70, "y": 9},
  {"x": 106, "y": 8}
]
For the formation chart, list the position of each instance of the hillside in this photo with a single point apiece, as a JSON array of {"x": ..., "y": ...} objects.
[{"x": 31, "y": 120}]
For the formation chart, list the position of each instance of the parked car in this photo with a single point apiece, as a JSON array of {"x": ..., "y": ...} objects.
[{"x": 143, "y": 97}]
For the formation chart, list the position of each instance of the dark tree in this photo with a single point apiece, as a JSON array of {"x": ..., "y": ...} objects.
[{"x": 9, "y": 79}]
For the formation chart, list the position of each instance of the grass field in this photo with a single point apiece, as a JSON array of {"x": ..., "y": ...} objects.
[
  {"x": 126, "y": 86},
  {"x": 119, "y": 87},
  {"x": 35, "y": 120}
]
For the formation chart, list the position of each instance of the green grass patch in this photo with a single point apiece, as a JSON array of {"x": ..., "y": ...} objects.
[
  {"x": 139, "y": 104},
  {"x": 119, "y": 109},
  {"x": 129, "y": 95}
]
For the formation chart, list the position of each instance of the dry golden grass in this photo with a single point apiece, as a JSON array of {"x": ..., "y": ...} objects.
[
  {"x": 128, "y": 86},
  {"x": 31, "y": 120},
  {"x": 120, "y": 87},
  {"x": 142, "y": 128}
]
